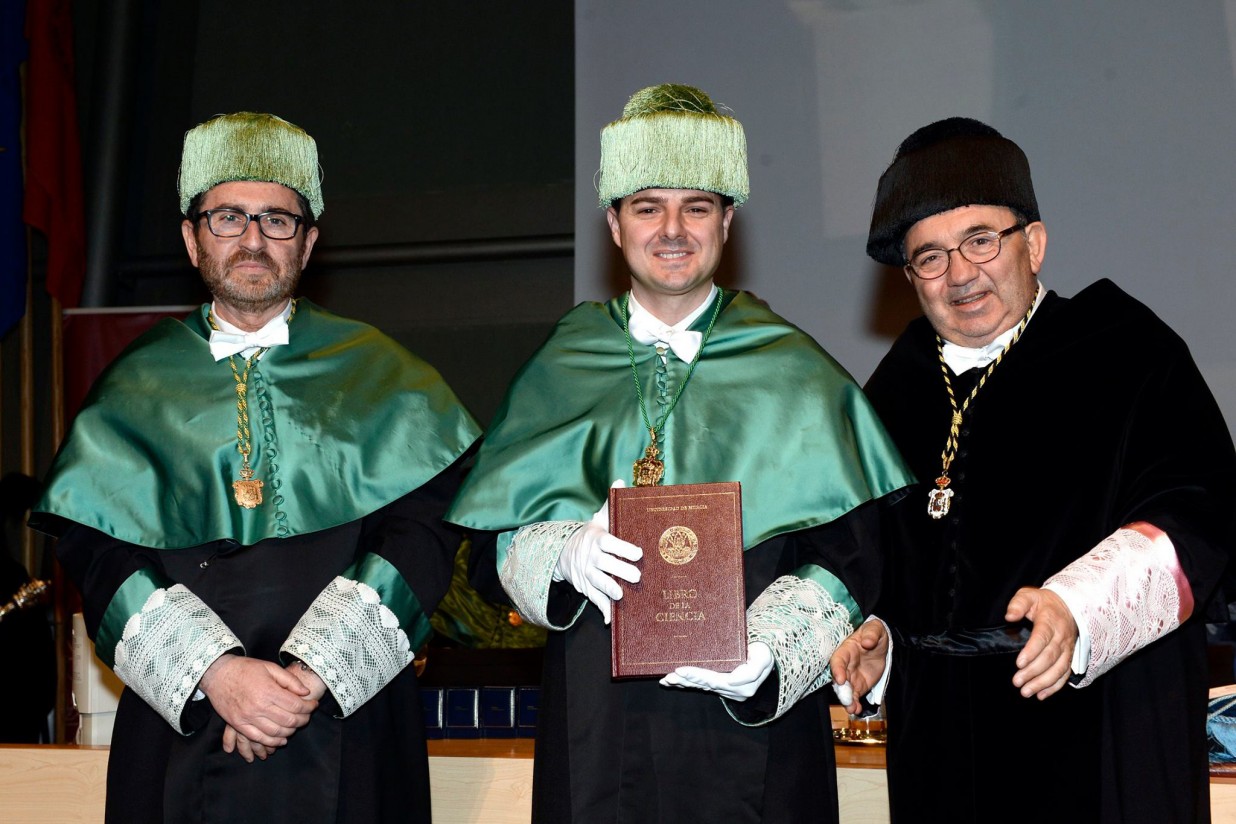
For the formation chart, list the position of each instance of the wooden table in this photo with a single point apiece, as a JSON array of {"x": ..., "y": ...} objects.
[{"x": 473, "y": 782}]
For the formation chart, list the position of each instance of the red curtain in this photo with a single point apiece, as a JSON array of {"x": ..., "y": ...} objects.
[{"x": 54, "y": 196}]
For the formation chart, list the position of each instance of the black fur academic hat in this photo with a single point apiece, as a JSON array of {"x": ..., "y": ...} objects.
[{"x": 949, "y": 164}]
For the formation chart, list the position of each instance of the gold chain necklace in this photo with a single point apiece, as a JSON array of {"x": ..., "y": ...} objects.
[
  {"x": 247, "y": 489},
  {"x": 649, "y": 469},
  {"x": 939, "y": 499}
]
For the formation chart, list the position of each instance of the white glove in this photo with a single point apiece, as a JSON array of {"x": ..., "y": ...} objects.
[
  {"x": 738, "y": 685},
  {"x": 592, "y": 555}
]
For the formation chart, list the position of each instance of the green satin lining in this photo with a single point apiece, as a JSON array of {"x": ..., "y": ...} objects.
[
  {"x": 504, "y": 546},
  {"x": 127, "y": 602},
  {"x": 766, "y": 407},
  {"x": 344, "y": 421},
  {"x": 833, "y": 586},
  {"x": 379, "y": 573}
]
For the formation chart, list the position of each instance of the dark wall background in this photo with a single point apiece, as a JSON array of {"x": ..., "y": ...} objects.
[{"x": 445, "y": 132}]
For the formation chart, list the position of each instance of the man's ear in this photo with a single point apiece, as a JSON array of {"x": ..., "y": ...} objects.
[
  {"x": 187, "y": 231},
  {"x": 311, "y": 237},
  {"x": 615, "y": 231},
  {"x": 1036, "y": 244}
]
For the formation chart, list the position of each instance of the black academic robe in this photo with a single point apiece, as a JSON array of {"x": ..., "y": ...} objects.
[
  {"x": 368, "y": 767},
  {"x": 632, "y": 751},
  {"x": 359, "y": 445},
  {"x": 766, "y": 407},
  {"x": 1096, "y": 417}
]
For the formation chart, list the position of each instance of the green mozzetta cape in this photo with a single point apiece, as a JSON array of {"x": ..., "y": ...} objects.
[
  {"x": 766, "y": 407},
  {"x": 344, "y": 420}
]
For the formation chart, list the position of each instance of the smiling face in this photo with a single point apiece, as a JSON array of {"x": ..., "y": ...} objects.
[
  {"x": 251, "y": 276},
  {"x": 971, "y": 304},
  {"x": 671, "y": 240}
]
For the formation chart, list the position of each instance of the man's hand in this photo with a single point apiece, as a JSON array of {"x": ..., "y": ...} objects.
[
  {"x": 248, "y": 750},
  {"x": 858, "y": 664},
  {"x": 1043, "y": 666},
  {"x": 258, "y": 699},
  {"x": 310, "y": 679}
]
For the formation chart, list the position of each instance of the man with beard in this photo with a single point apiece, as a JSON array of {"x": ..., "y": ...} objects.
[
  {"x": 1074, "y": 529},
  {"x": 250, "y": 502}
]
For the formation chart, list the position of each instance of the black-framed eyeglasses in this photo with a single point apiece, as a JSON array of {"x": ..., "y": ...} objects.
[
  {"x": 980, "y": 247},
  {"x": 233, "y": 223}
]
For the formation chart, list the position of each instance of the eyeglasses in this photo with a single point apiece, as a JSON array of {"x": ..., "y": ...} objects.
[
  {"x": 233, "y": 223},
  {"x": 979, "y": 247}
]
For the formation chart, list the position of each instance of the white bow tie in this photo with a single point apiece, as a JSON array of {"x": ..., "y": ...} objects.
[
  {"x": 646, "y": 329},
  {"x": 962, "y": 358},
  {"x": 224, "y": 344}
]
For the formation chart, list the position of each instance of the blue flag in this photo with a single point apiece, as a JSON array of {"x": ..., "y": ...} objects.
[{"x": 12, "y": 229}]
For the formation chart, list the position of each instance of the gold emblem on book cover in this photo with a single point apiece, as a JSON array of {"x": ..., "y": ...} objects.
[{"x": 678, "y": 545}]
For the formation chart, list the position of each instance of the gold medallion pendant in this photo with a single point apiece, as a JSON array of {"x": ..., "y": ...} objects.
[
  {"x": 938, "y": 499},
  {"x": 248, "y": 490},
  {"x": 649, "y": 469}
]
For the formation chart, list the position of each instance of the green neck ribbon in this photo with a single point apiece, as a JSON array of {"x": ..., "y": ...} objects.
[{"x": 766, "y": 407}]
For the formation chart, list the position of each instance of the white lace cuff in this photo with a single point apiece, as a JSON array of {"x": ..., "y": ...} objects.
[
  {"x": 351, "y": 640},
  {"x": 167, "y": 647},
  {"x": 801, "y": 623},
  {"x": 1126, "y": 593},
  {"x": 526, "y": 569}
]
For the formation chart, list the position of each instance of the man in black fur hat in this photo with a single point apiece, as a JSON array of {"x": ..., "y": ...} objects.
[{"x": 1071, "y": 525}]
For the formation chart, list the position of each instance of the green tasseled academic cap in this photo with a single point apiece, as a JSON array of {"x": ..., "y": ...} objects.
[
  {"x": 672, "y": 137},
  {"x": 249, "y": 146}
]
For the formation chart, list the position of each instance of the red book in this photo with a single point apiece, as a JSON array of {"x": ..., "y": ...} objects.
[{"x": 689, "y": 608}]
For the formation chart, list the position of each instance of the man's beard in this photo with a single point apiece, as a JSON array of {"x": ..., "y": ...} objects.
[{"x": 240, "y": 291}]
